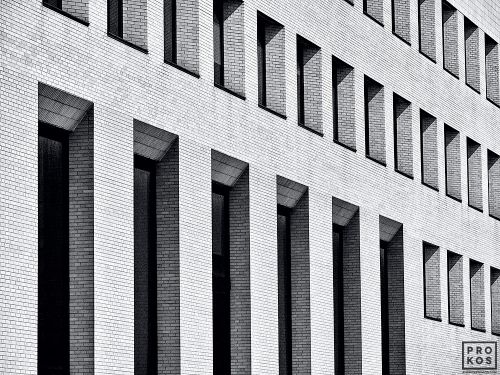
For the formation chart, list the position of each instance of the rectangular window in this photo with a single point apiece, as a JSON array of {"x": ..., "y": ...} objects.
[
  {"x": 403, "y": 144},
  {"x": 127, "y": 21},
  {"x": 476, "y": 275},
  {"x": 428, "y": 150},
  {"x": 284, "y": 291},
  {"x": 374, "y": 120},
  {"x": 492, "y": 75},
  {"x": 338, "y": 295},
  {"x": 171, "y": 30},
  {"x": 53, "y": 251},
  {"x": 145, "y": 266},
  {"x": 495, "y": 300},
  {"x": 271, "y": 64},
  {"x": 494, "y": 184},
  {"x": 432, "y": 282},
  {"x": 427, "y": 28},
  {"x": 401, "y": 19},
  {"x": 344, "y": 126},
  {"x": 472, "y": 66},
  {"x": 229, "y": 52},
  {"x": 452, "y": 163},
  {"x": 474, "y": 174},
  {"x": 455, "y": 289},
  {"x": 375, "y": 10},
  {"x": 309, "y": 85},
  {"x": 76, "y": 9},
  {"x": 450, "y": 39},
  {"x": 221, "y": 280}
]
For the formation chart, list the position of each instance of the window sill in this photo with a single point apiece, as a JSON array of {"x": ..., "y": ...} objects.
[
  {"x": 483, "y": 330},
  {"x": 376, "y": 160},
  {"x": 373, "y": 18},
  {"x": 495, "y": 333},
  {"x": 349, "y": 2},
  {"x": 229, "y": 91},
  {"x": 344, "y": 145},
  {"x": 430, "y": 186},
  {"x": 404, "y": 174},
  {"x": 182, "y": 69},
  {"x": 494, "y": 217},
  {"x": 273, "y": 112},
  {"x": 476, "y": 208},
  {"x": 451, "y": 73},
  {"x": 493, "y": 102},
  {"x": 311, "y": 130},
  {"x": 456, "y": 324},
  {"x": 432, "y": 318},
  {"x": 472, "y": 87},
  {"x": 427, "y": 56},
  {"x": 127, "y": 43},
  {"x": 64, "y": 13},
  {"x": 454, "y": 198},
  {"x": 401, "y": 38}
]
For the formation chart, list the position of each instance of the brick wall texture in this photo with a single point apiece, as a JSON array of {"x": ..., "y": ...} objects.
[
  {"x": 427, "y": 24},
  {"x": 77, "y": 8},
  {"x": 492, "y": 75},
  {"x": 455, "y": 288},
  {"x": 453, "y": 163},
  {"x": 432, "y": 266},
  {"x": 375, "y": 8},
  {"x": 495, "y": 299},
  {"x": 450, "y": 39},
  {"x": 403, "y": 138},
  {"x": 494, "y": 184},
  {"x": 428, "y": 139},
  {"x": 344, "y": 98},
  {"x": 474, "y": 174},
  {"x": 477, "y": 303},
  {"x": 472, "y": 64},
  {"x": 313, "y": 97},
  {"x": 234, "y": 46},
  {"x": 135, "y": 22},
  {"x": 401, "y": 19},
  {"x": 188, "y": 34},
  {"x": 81, "y": 245},
  {"x": 375, "y": 120}
]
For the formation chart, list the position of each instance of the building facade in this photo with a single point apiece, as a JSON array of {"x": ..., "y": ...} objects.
[{"x": 248, "y": 187}]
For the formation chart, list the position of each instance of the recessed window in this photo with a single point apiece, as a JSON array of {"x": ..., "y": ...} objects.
[
  {"x": 472, "y": 66},
  {"x": 476, "y": 277},
  {"x": 75, "y": 9},
  {"x": 344, "y": 125},
  {"x": 450, "y": 39},
  {"x": 494, "y": 184},
  {"x": 428, "y": 150},
  {"x": 455, "y": 289},
  {"x": 403, "y": 144},
  {"x": 492, "y": 75},
  {"x": 401, "y": 19},
  {"x": 432, "y": 282},
  {"x": 127, "y": 21},
  {"x": 427, "y": 28},
  {"x": 309, "y": 85},
  {"x": 374, "y": 120},
  {"x": 495, "y": 300},
  {"x": 452, "y": 163},
  {"x": 181, "y": 33},
  {"x": 271, "y": 64},
  {"x": 474, "y": 174},
  {"x": 229, "y": 47},
  {"x": 375, "y": 10}
]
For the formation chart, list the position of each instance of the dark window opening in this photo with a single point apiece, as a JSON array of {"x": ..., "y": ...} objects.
[
  {"x": 115, "y": 17},
  {"x": 221, "y": 280},
  {"x": 54, "y": 3},
  {"x": 219, "y": 42},
  {"x": 300, "y": 80},
  {"x": 338, "y": 295},
  {"x": 53, "y": 251},
  {"x": 171, "y": 31},
  {"x": 145, "y": 298},
  {"x": 261, "y": 57},
  {"x": 384, "y": 298},
  {"x": 284, "y": 292}
]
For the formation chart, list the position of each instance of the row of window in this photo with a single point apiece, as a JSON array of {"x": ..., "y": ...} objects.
[{"x": 455, "y": 286}]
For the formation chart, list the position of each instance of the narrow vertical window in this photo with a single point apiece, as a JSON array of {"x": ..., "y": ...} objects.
[
  {"x": 450, "y": 39},
  {"x": 492, "y": 74},
  {"x": 474, "y": 174},
  {"x": 145, "y": 266},
  {"x": 495, "y": 300},
  {"x": 472, "y": 66},
  {"x": 284, "y": 292},
  {"x": 384, "y": 301},
  {"x": 271, "y": 64},
  {"x": 403, "y": 144},
  {"x": 171, "y": 30},
  {"x": 432, "y": 282},
  {"x": 344, "y": 126},
  {"x": 219, "y": 42},
  {"x": 374, "y": 121},
  {"x": 494, "y": 184},
  {"x": 53, "y": 251},
  {"x": 401, "y": 19},
  {"x": 127, "y": 22},
  {"x": 375, "y": 10},
  {"x": 455, "y": 289},
  {"x": 309, "y": 85},
  {"x": 115, "y": 17},
  {"x": 427, "y": 28},
  {"x": 452, "y": 163},
  {"x": 221, "y": 280},
  {"x": 476, "y": 274},
  {"x": 428, "y": 150},
  {"x": 338, "y": 294}
]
